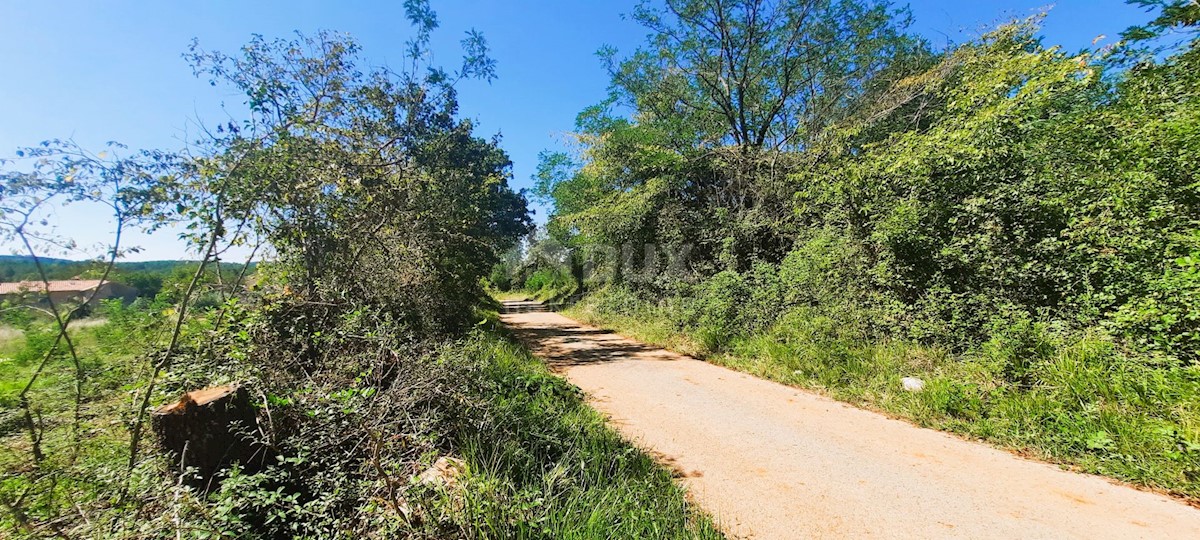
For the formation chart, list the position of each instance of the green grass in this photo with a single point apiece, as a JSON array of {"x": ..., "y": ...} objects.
[
  {"x": 1079, "y": 400},
  {"x": 501, "y": 296},
  {"x": 12, "y": 341},
  {"x": 547, "y": 466},
  {"x": 541, "y": 463},
  {"x": 79, "y": 467}
]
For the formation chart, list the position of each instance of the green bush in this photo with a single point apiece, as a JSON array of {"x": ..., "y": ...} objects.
[
  {"x": 1029, "y": 182},
  {"x": 540, "y": 463},
  {"x": 1167, "y": 319},
  {"x": 719, "y": 304},
  {"x": 500, "y": 278},
  {"x": 551, "y": 283}
]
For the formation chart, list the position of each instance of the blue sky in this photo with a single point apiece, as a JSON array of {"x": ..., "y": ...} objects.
[{"x": 99, "y": 71}]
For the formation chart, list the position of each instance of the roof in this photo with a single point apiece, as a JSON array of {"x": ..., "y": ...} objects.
[{"x": 67, "y": 285}]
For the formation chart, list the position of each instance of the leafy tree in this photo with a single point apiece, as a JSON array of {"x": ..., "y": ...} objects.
[
  {"x": 1002, "y": 180},
  {"x": 343, "y": 170},
  {"x": 382, "y": 211},
  {"x": 723, "y": 95},
  {"x": 758, "y": 73},
  {"x": 1181, "y": 16}
]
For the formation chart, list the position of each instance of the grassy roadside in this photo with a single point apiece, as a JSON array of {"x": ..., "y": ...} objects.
[
  {"x": 1078, "y": 400},
  {"x": 545, "y": 465},
  {"x": 539, "y": 463}
]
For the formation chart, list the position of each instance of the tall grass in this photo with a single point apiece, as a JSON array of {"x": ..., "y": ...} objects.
[
  {"x": 79, "y": 475},
  {"x": 540, "y": 462},
  {"x": 545, "y": 465}
]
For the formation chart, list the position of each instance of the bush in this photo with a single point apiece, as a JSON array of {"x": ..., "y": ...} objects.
[
  {"x": 500, "y": 278},
  {"x": 1167, "y": 319},
  {"x": 551, "y": 283},
  {"x": 719, "y": 306},
  {"x": 539, "y": 461},
  {"x": 1028, "y": 180}
]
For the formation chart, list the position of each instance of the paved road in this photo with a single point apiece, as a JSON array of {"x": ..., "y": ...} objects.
[{"x": 771, "y": 461}]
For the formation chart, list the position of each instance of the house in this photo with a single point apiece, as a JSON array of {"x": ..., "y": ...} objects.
[{"x": 70, "y": 291}]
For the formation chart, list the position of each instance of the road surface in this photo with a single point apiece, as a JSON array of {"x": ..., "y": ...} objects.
[{"x": 771, "y": 461}]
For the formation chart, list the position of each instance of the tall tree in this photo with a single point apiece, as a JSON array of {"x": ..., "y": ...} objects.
[
  {"x": 759, "y": 73},
  {"x": 725, "y": 95},
  {"x": 346, "y": 170}
]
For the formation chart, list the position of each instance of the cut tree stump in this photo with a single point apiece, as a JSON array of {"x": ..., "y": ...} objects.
[{"x": 206, "y": 430}]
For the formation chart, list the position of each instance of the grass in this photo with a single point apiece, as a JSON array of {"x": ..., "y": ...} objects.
[
  {"x": 1078, "y": 400},
  {"x": 12, "y": 341},
  {"x": 540, "y": 462},
  {"x": 547, "y": 466},
  {"x": 77, "y": 464},
  {"x": 502, "y": 296}
]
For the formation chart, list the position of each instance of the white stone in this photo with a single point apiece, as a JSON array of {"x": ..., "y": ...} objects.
[{"x": 912, "y": 384}]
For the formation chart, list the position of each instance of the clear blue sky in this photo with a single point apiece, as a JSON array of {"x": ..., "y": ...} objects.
[{"x": 111, "y": 70}]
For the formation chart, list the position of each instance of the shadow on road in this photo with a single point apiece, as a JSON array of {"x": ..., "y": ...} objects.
[{"x": 567, "y": 344}]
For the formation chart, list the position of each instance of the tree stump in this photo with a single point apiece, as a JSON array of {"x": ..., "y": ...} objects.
[{"x": 206, "y": 429}]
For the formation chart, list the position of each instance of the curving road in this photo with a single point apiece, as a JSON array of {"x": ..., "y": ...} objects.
[{"x": 771, "y": 461}]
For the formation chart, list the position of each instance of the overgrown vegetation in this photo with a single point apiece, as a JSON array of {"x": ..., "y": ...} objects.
[
  {"x": 1017, "y": 224},
  {"x": 802, "y": 189},
  {"x": 358, "y": 336},
  {"x": 538, "y": 268},
  {"x": 539, "y": 462}
]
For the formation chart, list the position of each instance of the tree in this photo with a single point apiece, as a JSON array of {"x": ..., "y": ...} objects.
[
  {"x": 758, "y": 73},
  {"x": 724, "y": 96},
  {"x": 1181, "y": 16},
  {"x": 344, "y": 171}
]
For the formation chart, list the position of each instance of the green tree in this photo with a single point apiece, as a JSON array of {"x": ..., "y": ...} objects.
[
  {"x": 757, "y": 73},
  {"x": 1181, "y": 16},
  {"x": 724, "y": 95},
  {"x": 343, "y": 170}
]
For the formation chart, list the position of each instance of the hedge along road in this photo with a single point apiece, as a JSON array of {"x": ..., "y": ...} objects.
[{"x": 771, "y": 461}]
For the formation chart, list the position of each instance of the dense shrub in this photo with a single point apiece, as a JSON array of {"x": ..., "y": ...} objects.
[
  {"x": 1035, "y": 185},
  {"x": 1002, "y": 179}
]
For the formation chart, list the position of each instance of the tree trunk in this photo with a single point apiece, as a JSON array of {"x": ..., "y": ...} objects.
[{"x": 209, "y": 430}]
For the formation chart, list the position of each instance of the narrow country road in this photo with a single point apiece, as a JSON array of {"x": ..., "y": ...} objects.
[{"x": 771, "y": 461}]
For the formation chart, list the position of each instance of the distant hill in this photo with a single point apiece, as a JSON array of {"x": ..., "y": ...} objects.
[
  {"x": 4, "y": 259},
  {"x": 22, "y": 267}
]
